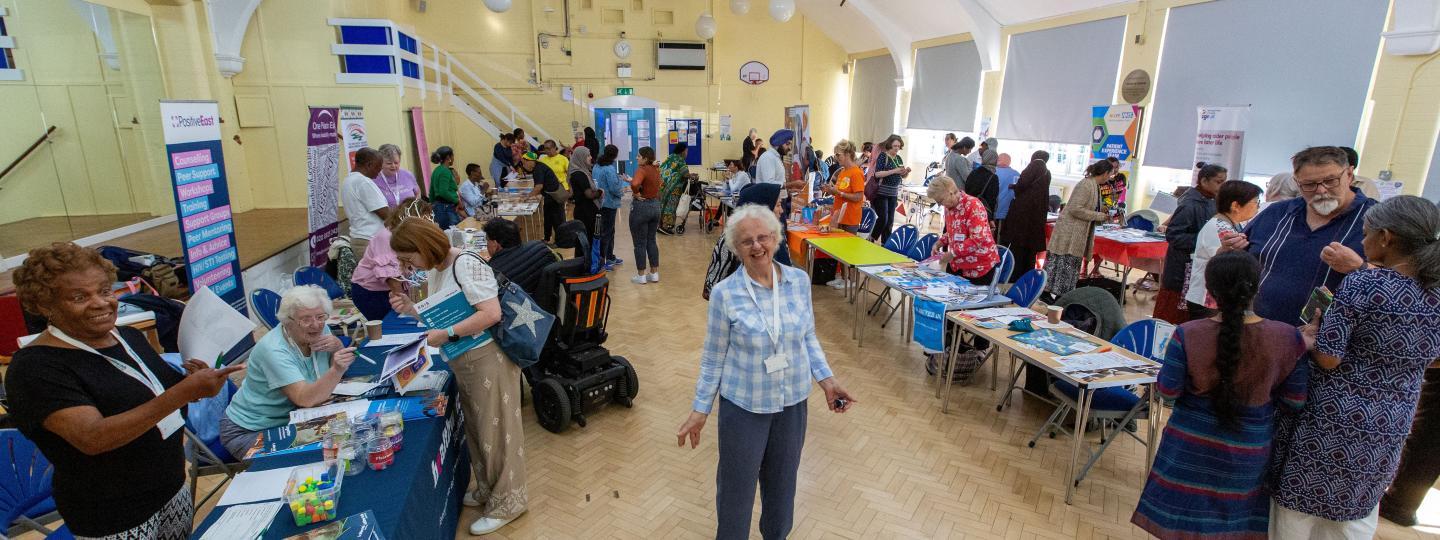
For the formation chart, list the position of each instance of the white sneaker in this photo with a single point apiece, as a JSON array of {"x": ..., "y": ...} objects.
[
  {"x": 470, "y": 500},
  {"x": 654, "y": 277},
  {"x": 639, "y": 280},
  {"x": 487, "y": 525}
]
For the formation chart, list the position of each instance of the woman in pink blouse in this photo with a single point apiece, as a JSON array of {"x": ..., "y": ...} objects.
[{"x": 378, "y": 272}]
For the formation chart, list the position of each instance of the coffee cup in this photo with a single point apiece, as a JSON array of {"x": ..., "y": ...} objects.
[
  {"x": 372, "y": 330},
  {"x": 1052, "y": 314}
]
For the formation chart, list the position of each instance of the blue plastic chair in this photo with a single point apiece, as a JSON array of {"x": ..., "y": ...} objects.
[
  {"x": 902, "y": 238},
  {"x": 204, "y": 451},
  {"x": 1114, "y": 407},
  {"x": 922, "y": 248},
  {"x": 1028, "y": 288},
  {"x": 1005, "y": 266},
  {"x": 1139, "y": 222},
  {"x": 265, "y": 303},
  {"x": 310, "y": 275},
  {"x": 24, "y": 483},
  {"x": 867, "y": 221}
]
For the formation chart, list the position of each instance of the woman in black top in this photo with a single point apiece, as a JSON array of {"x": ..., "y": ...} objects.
[
  {"x": 583, "y": 189},
  {"x": 100, "y": 404}
]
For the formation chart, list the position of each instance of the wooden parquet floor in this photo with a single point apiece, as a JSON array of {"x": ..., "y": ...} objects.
[{"x": 893, "y": 467}]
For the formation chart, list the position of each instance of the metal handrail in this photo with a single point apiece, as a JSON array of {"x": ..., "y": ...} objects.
[{"x": 43, "y": 137}]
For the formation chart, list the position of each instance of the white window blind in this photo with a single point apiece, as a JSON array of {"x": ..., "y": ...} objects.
[
  {"x": 872, "y": 99},
  {"x": 947, "y": 88},
  {"x": 1053, "y": 77},
  {"x": 1303, "y": 66}
]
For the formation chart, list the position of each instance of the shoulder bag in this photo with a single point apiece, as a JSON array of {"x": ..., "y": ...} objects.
[{"x": 524, "y": 326}]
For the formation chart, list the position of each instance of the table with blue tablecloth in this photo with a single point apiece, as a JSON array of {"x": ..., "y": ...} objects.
[{"x": 419, "y": 495}]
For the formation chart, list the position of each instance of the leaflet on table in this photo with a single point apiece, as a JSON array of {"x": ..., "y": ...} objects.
[
  {"x": 446, "y": 310},
  {"x": 360, "y": 526},
  {"x": 1097, "y": 361},
  {"x": 243, "y": 521},
  {"x": 392, "y": 340},
  {"x": 306, "y": 436},
  {"x": 1002, "y": 312},
  {"x": 1054, "y": 342}
]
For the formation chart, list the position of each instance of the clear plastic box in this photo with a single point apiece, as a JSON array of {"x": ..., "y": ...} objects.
[{"x": 313, "y": 492}]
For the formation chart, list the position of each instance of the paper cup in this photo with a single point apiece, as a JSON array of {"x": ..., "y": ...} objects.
[
  {"x": 1052, "y": 313},
  {"x": 372, "y": 330}
]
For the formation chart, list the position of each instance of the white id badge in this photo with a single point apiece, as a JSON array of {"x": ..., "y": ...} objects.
[
  {"x": 775, "y": 363},
  {"x": 170, "y": 425}
]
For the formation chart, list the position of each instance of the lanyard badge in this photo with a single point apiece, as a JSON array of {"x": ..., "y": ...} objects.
[
  {"x": 777, "y": 360},
  {"x": 167, "y": 426}
]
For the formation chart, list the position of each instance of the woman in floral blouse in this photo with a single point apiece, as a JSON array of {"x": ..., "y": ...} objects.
[{"x": 967, "y": 248}]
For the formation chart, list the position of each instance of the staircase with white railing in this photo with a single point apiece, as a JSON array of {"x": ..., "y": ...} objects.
[{"x": 377, "y": 51}]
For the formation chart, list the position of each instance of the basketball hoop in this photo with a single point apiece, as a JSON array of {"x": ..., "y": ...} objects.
[{"x": 754, "y": 73}]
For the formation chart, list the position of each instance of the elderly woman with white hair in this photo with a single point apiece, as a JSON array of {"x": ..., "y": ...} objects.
[
  {"x": 395, "y": 183},
  {"x": 760, "y": 355},
  {"x": 296, "y": 365}
]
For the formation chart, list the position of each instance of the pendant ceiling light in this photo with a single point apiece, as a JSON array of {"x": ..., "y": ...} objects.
[
  {"x": 498, "y": 6},
  {"x": 782, "y": 10},
  {"x": 705, "y": 26},
  {"x": 740, "y": 7}
]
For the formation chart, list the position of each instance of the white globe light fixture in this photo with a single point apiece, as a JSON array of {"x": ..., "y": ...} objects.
[
  {"x": 740, "y": 7},
  {"x": 705, "y": 26},
  {"x": 782, "y": 10},
  {"x": 498, "y": 6}
]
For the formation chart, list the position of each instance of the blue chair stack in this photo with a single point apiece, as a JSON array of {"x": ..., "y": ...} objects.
[
  {"x": 922, "y": 248},
  {"x": 265, "y": 303},
  {"x": 902, "y": 238},
  {"x": 1027, "y": 289},
  {"x": 867, "y": 221}
]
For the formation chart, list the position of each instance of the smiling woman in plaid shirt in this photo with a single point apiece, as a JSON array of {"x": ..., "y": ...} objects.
[{"x": 760, "y": 354}]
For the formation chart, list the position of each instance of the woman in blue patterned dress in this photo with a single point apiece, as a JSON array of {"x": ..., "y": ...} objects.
[
  {"x": 1225, "y": 375},
  {"x": 1371, "y": 350}
]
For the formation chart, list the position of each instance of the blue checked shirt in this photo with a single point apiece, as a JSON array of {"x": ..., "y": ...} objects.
[{"x": 737, "y": 344}]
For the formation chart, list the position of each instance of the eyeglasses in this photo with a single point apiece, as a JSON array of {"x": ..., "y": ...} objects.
[
  {"x": 758, "y": 240},
  {"x": 312, "y": 320},
  {"x": 1329, "y": 183}
]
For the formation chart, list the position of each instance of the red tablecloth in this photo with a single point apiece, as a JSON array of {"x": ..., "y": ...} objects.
[{"x": 1123, "y": 253}]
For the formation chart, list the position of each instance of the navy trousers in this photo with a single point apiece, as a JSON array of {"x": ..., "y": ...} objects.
[{"x": 763, "y": 448}]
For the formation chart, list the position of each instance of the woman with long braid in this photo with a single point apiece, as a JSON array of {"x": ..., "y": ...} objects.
[{"x": 1225, "y": 376}]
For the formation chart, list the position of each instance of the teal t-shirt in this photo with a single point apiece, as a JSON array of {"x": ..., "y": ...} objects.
[{"x": 274, "y": 364}]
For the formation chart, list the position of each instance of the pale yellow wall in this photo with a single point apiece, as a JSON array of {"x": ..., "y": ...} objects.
[{"x": 94, "y": 163}]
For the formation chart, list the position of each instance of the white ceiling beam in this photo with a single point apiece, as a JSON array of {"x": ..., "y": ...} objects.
[
  {"x": 985, "y": 29},
  {"x": 228, "y": 20},
  {"x": 897, "y": 39}
]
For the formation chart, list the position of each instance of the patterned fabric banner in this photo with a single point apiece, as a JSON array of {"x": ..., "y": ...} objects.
[{"x": 322, "y": 166}]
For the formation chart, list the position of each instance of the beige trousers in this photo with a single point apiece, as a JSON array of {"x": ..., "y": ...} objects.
[{"x": 490, "y": 401}]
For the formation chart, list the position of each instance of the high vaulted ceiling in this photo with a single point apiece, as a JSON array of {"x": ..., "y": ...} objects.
[{"x": 864, "y": 25}]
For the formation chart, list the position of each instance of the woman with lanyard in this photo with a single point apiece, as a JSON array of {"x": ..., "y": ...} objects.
[
  {"x": 487, "y": 379},
  {"x": 295, "y": 365},
  {"x": 101, "y": 404},
  {"x": 760, "y": 357},
  {"x": 395, "y": 183}
]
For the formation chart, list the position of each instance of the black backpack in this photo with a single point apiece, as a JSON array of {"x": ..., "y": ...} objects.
[{"x": 167, "y": 317}]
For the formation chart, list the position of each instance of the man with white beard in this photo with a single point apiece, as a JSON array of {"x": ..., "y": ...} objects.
[{"x": 1310, "y": 241}]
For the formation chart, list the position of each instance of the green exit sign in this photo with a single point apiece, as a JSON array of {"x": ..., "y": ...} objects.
[{"x": 624, "y": 91}]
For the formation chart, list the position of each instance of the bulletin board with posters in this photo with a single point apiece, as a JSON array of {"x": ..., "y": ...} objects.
[{"x": 686, "y": 130}]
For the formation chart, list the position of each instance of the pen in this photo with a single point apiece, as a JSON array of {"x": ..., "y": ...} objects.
[
  {"x": 365, "y": 358},
  {"x": 1104, "y": 349},
  {"x": 219, "y": 360}
]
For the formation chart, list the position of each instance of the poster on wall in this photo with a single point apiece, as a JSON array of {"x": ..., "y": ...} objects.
[
  {"x": 422, "y": 149},
  {"x": 686, "y": 130},
  {"x": 1114, "y": 132},
  {"x": 1220, "y": 137},
  {"x": 352, "y": 129},
  {"x": 725, "y": 120},
  {"x": 202, "y": 198},
  {"x": 322, "y": 167},
  {"x": 797, "y": 119}
]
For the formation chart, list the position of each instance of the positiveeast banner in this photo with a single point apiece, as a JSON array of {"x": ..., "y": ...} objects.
[
  {"x": 322, "y": 166},
  {"x": 202, "y": 198},
  {"x": 1220, "y": 137},
  {"x": 352, "y": 129}
]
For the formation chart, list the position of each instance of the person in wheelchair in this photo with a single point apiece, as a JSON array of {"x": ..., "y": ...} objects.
[{"x": 522, "y": 263}]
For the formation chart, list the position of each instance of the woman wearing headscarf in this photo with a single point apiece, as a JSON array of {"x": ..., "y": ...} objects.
[
  {"x": 1024, "y": 229},
  {"x": 583, "y": 190},
  {"x": 592, "y": 142},
  {"x": 1074, "y": 236},
  {"x": 674, "y": 174},
  {"x": 983, "y": 184}
]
